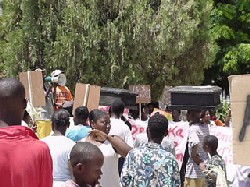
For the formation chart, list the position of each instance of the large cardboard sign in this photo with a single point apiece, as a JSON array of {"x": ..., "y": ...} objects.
[
  {"x": 87, "y": 95},
  {"x": 33, "y": 83},
  {"x": 143, "y": 93},
  {"x": 240, "y": 107}
]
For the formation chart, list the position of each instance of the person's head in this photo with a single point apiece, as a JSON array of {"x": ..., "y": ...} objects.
[
  {"x": 60, "y": 121},
  {"x": 86, "y": 160},
  {"x": 205, "y": 116},
  {"x": 134, "y": 114},
  {"x": 151, "y": 106},
  {"x": 212, "y": 113},
  {"x": 176, "y": 115},
  {"x": 81, "y": 115},
  {"x": 117, "y": 108},
  {"x": 157, "y": 128},
  {"x": 99, "y": 120},
  {"x": 12, "y": 101},
  {"x": 194, "y": 116},
  {"x": 210, "y": 143}
]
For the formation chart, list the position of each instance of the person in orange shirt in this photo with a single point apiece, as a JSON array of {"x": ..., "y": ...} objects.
[
  {"x": 62, "y": 95},
  {"x": 215, "y": 119}
]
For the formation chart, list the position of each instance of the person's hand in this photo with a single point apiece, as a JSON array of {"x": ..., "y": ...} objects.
[
  {"x": 202, "y": 166},
  {"x": 97, "y": 135}
]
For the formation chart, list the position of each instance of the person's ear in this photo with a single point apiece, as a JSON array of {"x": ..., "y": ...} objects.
[
  {"x": 79, "y": 167},
  {"x": 24, "y": 103}
]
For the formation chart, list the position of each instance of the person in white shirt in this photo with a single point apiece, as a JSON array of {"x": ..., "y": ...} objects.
[
  {"x": 111, "y": 147},
  {"x": 60, "y": 147},
  {"x": 119, "y": 128}
]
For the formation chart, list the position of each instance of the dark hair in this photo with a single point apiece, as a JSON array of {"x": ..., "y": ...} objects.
[
  {"x": 211, "y": 141},
  {"x": 96, "y": 114},
  {"x": 82, "y": 112},
  {"x": 155, "y": 104},
  {"x": 83, "y": 152},
  {"x": 11, "y": 88},
  {"x": 203, "y": 113},
  {"x": 117, "y": 107},
  {"x": 60, "y": 118},
  {"x": 158, "y": 126}
]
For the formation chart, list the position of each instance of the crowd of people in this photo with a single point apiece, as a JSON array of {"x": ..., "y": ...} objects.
[{"x": 96, "y": 148}]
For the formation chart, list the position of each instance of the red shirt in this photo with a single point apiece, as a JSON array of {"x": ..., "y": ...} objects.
[{"x": 24, "y": 160}]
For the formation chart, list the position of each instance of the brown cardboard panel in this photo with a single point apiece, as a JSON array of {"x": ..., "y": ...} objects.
[
  {"x": 240, "y": 107},
  {"x": 80, "y": 90},
  {"x": 33, "y": 83},
  {"x": 240, "y": 153},
  {"x": 91, "y": 100},
  {"x": 94, "y": 97},
  {"x": 237, "y": 112},
  {"x": 239, "y": 87},
  {"x": 144, "y": 95}
]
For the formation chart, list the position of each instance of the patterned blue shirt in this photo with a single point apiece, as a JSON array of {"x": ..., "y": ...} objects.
[{"x": 150, "y": 165}]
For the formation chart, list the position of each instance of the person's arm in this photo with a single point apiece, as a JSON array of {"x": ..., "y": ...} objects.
[
  {"x": 176, "y": 173},
  {"x": 194, "y": 155},
  {"x": 128, "y": 172},
  {"x": 118, "y": 144}
]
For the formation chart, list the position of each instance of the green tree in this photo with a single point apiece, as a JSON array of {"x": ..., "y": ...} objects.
[
  {"x": 109, "y": 43},
  {"x": 231, "y": 28}
]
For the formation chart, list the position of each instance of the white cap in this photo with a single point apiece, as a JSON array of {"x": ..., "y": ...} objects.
[{"x": 56, "y": 73}]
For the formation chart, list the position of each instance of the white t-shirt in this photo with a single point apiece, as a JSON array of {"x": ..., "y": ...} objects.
[
  {"x": 119, "y": 128},
  {"x": 60, "y": 147},
  {"x": 110, "y": 176}
]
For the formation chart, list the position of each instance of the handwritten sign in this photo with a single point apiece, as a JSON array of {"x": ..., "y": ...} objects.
[
  {"x": 225, "y": 148},
  {"x": 178, "y": 133},
  {"x": 143, "y": 93}
]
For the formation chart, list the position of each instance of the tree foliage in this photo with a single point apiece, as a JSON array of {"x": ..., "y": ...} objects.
[
  {"x": 231, "y": 29},
  {"x": 109, "y": 43}
]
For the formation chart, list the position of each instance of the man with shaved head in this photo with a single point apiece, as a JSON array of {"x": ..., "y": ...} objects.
[{"x": 24, "y": 160}]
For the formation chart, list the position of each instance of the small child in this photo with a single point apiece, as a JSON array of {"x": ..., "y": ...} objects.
[
  {"x": 215, "y": 167},
  {"x": 86, "y": 160}
]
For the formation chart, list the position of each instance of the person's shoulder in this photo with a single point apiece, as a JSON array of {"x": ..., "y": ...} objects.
[
  {"x": 67, "y": 140},
  {"x": 39, "y": 147},
  {"x": 118, "y": 122}
]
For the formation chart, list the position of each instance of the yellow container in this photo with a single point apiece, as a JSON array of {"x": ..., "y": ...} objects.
[{"x": 44, "y": 128}]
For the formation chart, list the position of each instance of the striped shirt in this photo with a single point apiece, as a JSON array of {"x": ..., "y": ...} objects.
[{"x": 196, "y": 135}]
